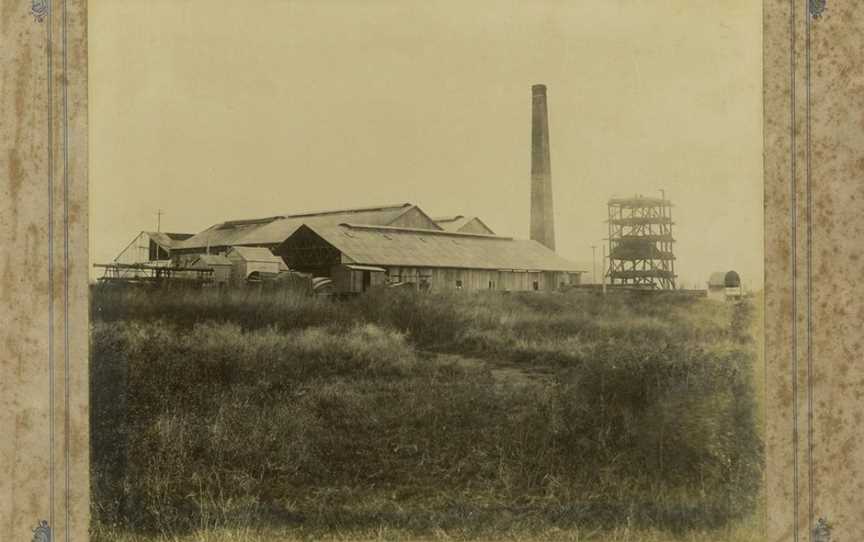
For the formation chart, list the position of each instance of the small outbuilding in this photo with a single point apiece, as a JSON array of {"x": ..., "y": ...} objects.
[
  {"x": 724, "y": 285},
  {"x": 253, "y": 264},
  {"x": 221, "y": 266}
]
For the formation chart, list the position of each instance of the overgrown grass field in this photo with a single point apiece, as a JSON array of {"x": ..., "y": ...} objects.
[{"x": 259, "y": 415}]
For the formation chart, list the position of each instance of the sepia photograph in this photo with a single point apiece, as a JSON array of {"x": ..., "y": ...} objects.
[
  {"x": 426, "y": 271},
  {"x": 442, "y": 270}
]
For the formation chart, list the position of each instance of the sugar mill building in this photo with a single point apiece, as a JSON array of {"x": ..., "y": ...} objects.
[
  {"x": 362, "y": 248},
  {"x": 361, "y": 256}
]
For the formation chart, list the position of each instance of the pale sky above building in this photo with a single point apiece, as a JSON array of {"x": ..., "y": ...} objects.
[{"x": 215, "y": 109}]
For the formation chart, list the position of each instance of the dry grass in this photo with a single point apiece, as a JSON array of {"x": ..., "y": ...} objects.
[
  {"x": 748, "y": 530},
  {"x": 262, "y": 415}
]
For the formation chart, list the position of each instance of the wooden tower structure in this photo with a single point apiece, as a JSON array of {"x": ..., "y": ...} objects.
[{"x": 640, "y": 243}]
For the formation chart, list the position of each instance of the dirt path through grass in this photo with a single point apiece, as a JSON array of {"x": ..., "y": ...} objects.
[{"x": 506, "y": 374}]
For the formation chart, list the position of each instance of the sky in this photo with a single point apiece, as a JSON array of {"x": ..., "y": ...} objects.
[{"x": 213, "y": 110}]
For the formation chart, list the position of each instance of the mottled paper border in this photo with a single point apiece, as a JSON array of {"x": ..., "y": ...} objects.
[
  {"x": 44, "y": 451},
  {"x": 814, "y": 137}
]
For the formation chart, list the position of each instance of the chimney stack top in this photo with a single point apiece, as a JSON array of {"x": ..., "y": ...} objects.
[{"x": 538, "y": 89}]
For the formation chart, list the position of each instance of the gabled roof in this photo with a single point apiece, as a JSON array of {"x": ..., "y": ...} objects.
[
  {"x": 452, "y": 223},
  {"x": 255, "y": 254},
  {"x": 388, "y": 246},
  {"x": 274, "y": 230},
  {"x": 463, "y": 223}
]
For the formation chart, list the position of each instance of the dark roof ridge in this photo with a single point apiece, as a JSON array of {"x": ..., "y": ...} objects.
[
  {"x": 268, "y": 219},
  {"x": 421, "y": 230},
  {"x": 349, "y": 210}
]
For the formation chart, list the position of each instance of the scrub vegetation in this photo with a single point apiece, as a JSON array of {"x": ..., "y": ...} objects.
[{"x": 259, "y": 415}]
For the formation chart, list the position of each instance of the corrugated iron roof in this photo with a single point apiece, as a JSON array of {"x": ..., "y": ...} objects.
[
  {"x": 273, "y": 232},
  {"x": 375, "y": 245},
  {"x": 256, "y": 254}
]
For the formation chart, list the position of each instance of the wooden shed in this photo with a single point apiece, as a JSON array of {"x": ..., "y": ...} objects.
[
  {"x": 221, "y": 266},
  {"x": 253, "y": 263}
]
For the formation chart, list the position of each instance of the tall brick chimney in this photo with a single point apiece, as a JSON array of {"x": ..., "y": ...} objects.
[{"x": 542, "y": 220}]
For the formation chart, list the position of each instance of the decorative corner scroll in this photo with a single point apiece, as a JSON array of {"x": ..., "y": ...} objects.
[
  {"x": 39, "y": 9},
  {"x": 42, "y": 533},
  {"x": 822, "y": 531},
  {"x": 817, "y": 7}
]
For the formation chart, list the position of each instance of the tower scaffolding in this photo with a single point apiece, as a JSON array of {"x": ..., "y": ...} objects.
[{"x": 640, "y": 243}]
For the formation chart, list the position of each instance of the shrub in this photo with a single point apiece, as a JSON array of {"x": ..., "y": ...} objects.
[{"x": 679, "y": 417}]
